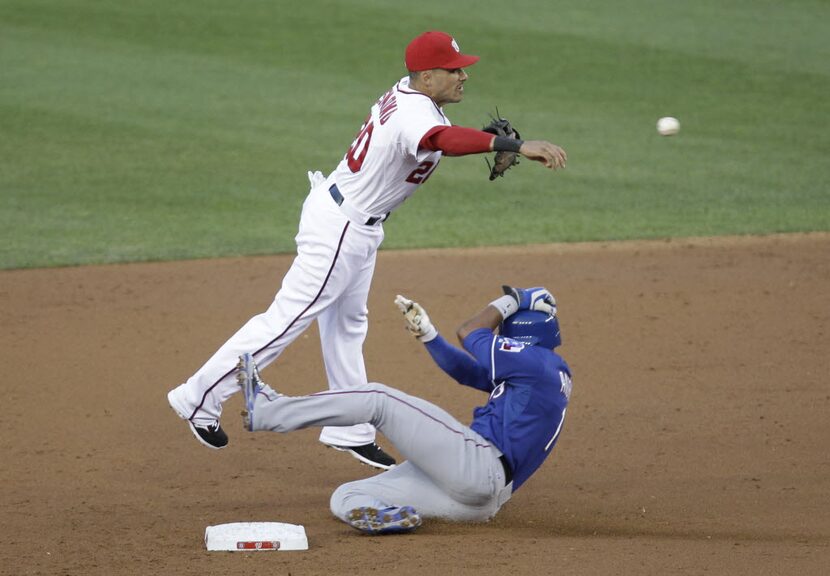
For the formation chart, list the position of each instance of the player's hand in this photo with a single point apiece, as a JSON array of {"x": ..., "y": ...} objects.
[
  {"x": 551, "y": 155},
  {"x": 538, "y": 299},
  {"x": 416, "y": 319}
]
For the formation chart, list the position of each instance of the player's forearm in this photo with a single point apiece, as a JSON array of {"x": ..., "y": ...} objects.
[
  {"x": 457, "y": 140},
  {"x": 459, "y": 365},
  {"x": 460, "y": 141},
  {"x": 489, "y": 318}
]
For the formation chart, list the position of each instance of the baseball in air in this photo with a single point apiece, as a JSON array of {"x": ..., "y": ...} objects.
[{"x": 668, "y": 126}]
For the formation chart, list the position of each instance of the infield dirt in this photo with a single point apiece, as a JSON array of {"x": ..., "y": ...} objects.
[{"x": 696, "y": 442}]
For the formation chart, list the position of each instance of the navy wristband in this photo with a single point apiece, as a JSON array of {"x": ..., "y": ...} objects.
[{"x": 503, "y": 143}]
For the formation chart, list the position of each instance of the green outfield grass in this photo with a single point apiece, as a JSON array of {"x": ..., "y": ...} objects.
[{"x": 150, "y": 129}]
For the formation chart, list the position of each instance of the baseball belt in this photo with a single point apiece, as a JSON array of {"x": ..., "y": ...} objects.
[{"x": 353, "y": 214}]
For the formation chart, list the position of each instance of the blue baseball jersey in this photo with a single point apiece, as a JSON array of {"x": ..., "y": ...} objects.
[{"x": 529, "y": 390}]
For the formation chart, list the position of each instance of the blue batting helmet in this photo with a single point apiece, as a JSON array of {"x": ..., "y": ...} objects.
[{"x": 533, "y": 328}]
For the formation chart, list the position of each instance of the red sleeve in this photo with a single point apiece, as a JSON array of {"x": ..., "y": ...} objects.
[{"x": 456, "y": 140}]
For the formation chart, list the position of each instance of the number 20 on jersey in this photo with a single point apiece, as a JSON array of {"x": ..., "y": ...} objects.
[{"x": 360, "y": 147}]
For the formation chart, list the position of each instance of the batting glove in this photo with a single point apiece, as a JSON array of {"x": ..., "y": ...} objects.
[
  {"x": 538, "y": 299},
  {"x": 315, "y": 178},
  {"x": 416, "y": 319}
]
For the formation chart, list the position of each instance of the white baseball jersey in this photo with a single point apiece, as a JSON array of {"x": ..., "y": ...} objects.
[
  {"x": 336, "y": 250},
  {"x": 383, "y": 166}
]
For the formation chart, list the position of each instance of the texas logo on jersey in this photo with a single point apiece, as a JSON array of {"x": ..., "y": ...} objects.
[{"x": 510, "y": 345}]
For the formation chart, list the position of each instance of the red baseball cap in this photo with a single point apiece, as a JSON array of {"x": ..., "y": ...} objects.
[{"x": 436, "y": 50}]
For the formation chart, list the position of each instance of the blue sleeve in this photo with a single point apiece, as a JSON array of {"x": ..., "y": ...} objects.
[{"x": 458, "y": 364}]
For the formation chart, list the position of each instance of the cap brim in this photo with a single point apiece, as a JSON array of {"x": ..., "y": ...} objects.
[{"x": 461, "y": 61}]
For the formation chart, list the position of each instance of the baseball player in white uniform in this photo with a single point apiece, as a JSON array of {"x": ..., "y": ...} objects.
[{"x": 396, "y": 150}]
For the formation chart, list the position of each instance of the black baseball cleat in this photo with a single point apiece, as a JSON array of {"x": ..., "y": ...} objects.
[
  {"x": 211, "y": 435},
  {"x": 370, "y": 454}
]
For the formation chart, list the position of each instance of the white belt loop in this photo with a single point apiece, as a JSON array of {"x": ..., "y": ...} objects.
[{"x": 504, "y": 494}]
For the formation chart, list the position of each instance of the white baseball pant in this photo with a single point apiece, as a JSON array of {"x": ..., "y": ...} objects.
[{"x": 329, "y": 281}]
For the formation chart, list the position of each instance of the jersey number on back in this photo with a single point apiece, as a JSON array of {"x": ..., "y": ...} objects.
[
  {"x": 357, "y": 151},
  {"x": 357, "y": 155}
]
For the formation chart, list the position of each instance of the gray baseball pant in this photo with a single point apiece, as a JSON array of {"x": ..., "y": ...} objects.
[{"x": 450, "y": 471}]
